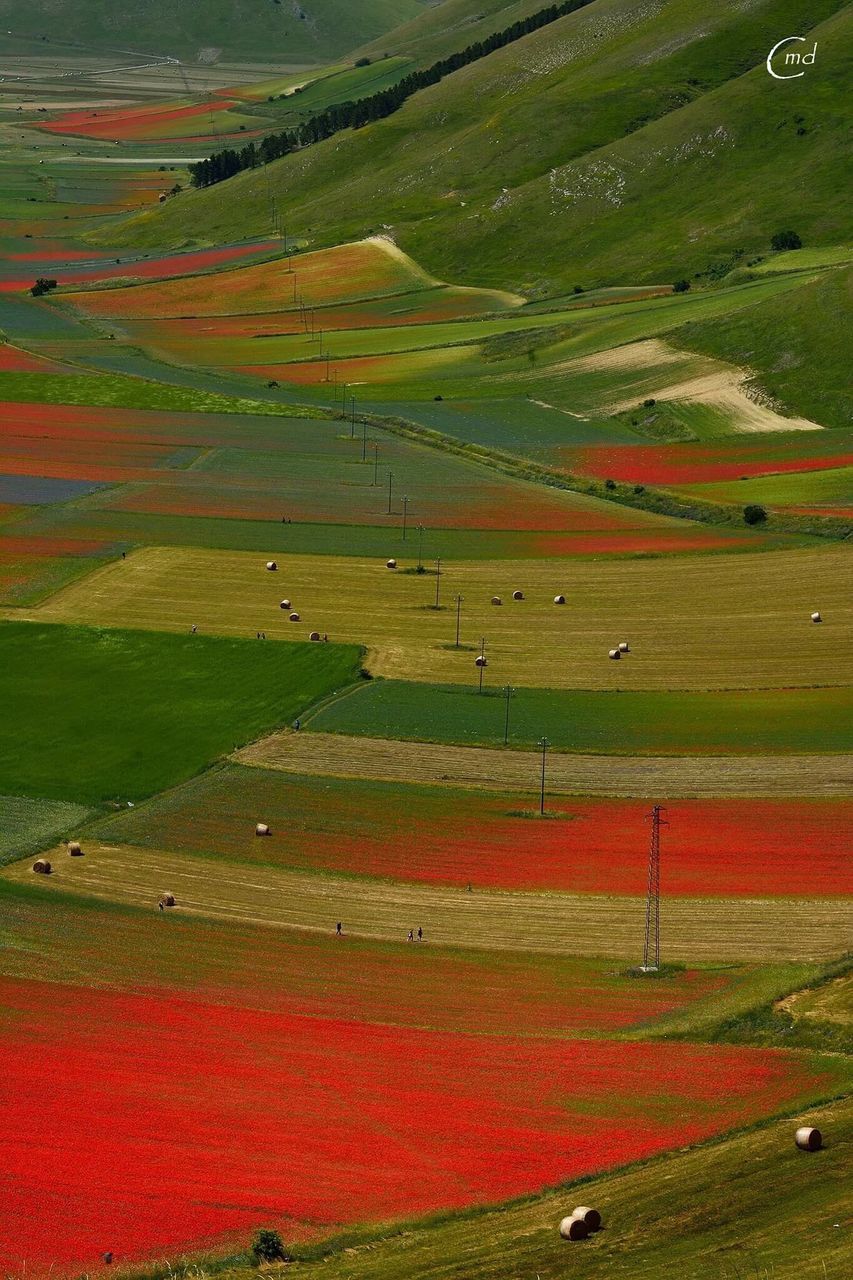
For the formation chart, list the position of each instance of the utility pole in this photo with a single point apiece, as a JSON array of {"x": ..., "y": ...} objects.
[
  {"x": 420, "y": 548},
  {"x": 651, "y": 949},
  {"x": 459, "y": 600},
  {"x": 390, "y": 478},
  {"x": 405, "y": 516},
  {"x": 437, "y": 580},
  {"x": 508, "y": 692},
  {"x": 481, "y": 662},
  {"x": 352, "y": 420},
  {"x": 364, "y": 440},
  {"x": 544, "y": 744},
  {"x": 375, "y": 462}
]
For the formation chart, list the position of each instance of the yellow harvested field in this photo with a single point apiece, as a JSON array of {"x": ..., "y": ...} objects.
[
  {"x": 567, "y": 924},
  {"x": 684, "y": 777},
  {"x": 727, "y": 621}
]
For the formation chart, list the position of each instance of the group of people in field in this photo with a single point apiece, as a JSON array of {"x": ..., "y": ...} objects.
[{"x": 414, "y": 935}]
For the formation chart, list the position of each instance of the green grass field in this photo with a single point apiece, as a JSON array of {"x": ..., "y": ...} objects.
[
  {"x": 30, "y": 825},
  {"x": 789, "y": 720},
  {"x": 92, "y": 716}
]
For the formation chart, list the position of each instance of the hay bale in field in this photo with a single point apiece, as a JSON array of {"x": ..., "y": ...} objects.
[
  {"x": 614, "y": 653},
  {"x": 518, "y": 595},
  {"x": 591, "y": 1218},
  {"x": 481, "y": 661},
  {"x": 315, "y": 635},
  {"x": 168, "y": 900},
  {"x": 42, "y": 867},
  {"x": 285, "y": 604},
  {"x": 271, "y": 566},
  {"x": 808, "y": 1138},
  {"x": 559, "y": 599},
  {"x": 623, "y": 647},
  {"x": 572, "y": 1228},
  {"x": 262, "y": 829},
  {"x": 816, "y": 617},
  {"x": 496, "y": 600},
  {"x": 294, "y": 617},
  {"x": 74, "y": 849},
  {"x": 108, "y": 1257},
  {"x": 390, "y": 564}
]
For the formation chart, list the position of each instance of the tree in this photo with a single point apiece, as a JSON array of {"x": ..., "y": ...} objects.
[
  {"x": 786, "y": 240},
  {"x": 681, "y": 286},
  {"x": 268, "y": 1246},
  {"x": 754, "y": 514}
]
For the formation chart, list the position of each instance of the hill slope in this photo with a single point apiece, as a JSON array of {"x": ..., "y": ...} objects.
[
  {"x": 617, "y": 143},
  {"x": 292, "y": 31}
]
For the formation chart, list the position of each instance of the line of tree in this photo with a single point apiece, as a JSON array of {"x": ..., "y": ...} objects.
[{"x": 354, "y": 115}]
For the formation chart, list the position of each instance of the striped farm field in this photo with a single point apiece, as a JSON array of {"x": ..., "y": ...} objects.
[
  {"x": 611, "y": 721},
  {"x": 311, "y": 974},
  {"x": 568, "y": 774},
  {"x": 33, "y": 568},
  {"x": 434, "y": 835},
  {"x": 698, "y": 930},
  {"x": 186, "y": 121},
  {"x": 721, "y": 622},
  {"x": 366, "y": 1120},
  {"x": 721, "y": 461},
  {"x": 367, "y": 269},
  {"x": 15, "y": 360}
]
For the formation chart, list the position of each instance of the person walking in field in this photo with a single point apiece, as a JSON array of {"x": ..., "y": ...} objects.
[
  {"x": 339, "y": 928},
  {"x": 411, "y": 936},
  {"x": 420, "y": 934}
]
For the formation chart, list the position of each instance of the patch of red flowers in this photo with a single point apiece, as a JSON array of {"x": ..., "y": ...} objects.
[
  {"x": 687, "y": 464},
  {"x": 634, "y": 542},
  {"x": 14, "y": 360},
  {"x": 142, "y": 1125}
]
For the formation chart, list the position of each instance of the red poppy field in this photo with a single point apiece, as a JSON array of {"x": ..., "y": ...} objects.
[
  {"x": 14, "y": 360},
  {"x": 159, "y": 267},
  {"x": 717, "y": 848},
  {"x": 113, "y": 1144},
  {"x": 139, "y": 124}
]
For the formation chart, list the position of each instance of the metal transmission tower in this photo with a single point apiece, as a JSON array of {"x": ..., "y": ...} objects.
[{"x": 651, "y": 950}]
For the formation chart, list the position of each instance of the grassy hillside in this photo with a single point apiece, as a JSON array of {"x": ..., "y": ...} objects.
[
  {"x": 796, "y": 345},
  {"x": 616, "y": 144},
  {"x": 285, "y": 30}
]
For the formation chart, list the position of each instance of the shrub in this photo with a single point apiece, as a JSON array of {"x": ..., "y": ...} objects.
[
  {"x": 681, "y": 286},
  {"x": 650, "y": 403},
  {"x": 578, "y": 288},
  {"x": 610, "y": 484},
  {"x": 41, "y": 286},
  {"x": 754, "y": 514},
  {"x": 363, "y": 62},
  {"x": 786, "y": 240},
  {"x": 268, "y": 1246}
]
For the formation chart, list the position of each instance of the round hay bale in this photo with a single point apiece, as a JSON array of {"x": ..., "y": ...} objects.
[
  {"x": 390, "y": 564},
  {"x": 108, "y": 1257},
  {"x": 590, "y": 1217},
  {"x": 285, "y": 604},
  {"x": 294, "y": 617},
  {"x": 614, "y": 653},
  {"x": 74, "y": 849},
  {"x": 168, "y": 899},
  {"x": 808, "y": 1138},
  {"x": 42, "y": 867},
  {"x": 572, "y": 1228},
  {"x": 271, "y": 566},
  {"x": 518, "y": 595},
  {"x": 496, "y": 600},
  {"x": 623, "y": 647},
  {"x": 481, "y": 661},
  {"x": 559, "y": 599},
  {"x": 816, "y": 617},
  {"x": 315, "y": 635},
  {"x": 262, "y": 829}
]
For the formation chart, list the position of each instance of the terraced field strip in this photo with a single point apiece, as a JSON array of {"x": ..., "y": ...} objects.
[
  {"x": 383, "y": 759},
  {"x": 727, "y": 621},
  {"x": 566, "y": 924}
]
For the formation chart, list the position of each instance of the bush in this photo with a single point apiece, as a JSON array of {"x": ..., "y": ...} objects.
[
  {"x": 786, "y": 240},
  {"x": 650, "y": 403},
  {"x": 753, "y": 514},
  {"x": 268, "y": 1246},
  {"x": 42, "y": 286},
  {"x": 364, "y": 62},
  {"x": 681, "y": 286},
  {"x": 610, "y": 484}
]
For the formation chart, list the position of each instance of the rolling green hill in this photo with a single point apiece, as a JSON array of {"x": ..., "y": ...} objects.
[
  {"x": 617, "y": 143},
  {"x": 290, "y": 31}
]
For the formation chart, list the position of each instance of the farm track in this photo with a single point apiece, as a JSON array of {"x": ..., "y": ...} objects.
[
  {"x": 727, "y": 621},
  {"x": 565, "y": 924},
  {"x": 484, "y": 768}
]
